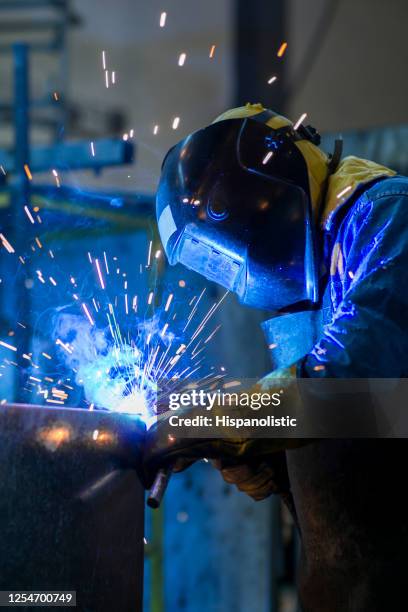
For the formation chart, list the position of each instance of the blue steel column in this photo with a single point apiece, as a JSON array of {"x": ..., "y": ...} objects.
[
  {"x": 21, "y": 194},
  {"x": 260, "y": 29}
]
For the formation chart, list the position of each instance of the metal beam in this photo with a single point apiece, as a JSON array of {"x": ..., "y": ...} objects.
[
  {"x": 260, "y": 30},
  {"x": 75, "y": 156}
]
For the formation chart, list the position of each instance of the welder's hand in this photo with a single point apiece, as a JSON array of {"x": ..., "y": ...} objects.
[
  {"x": 164, "y": 450},
  {"x": 257, "y": 479},
  {"x": 179, "y": 453}
]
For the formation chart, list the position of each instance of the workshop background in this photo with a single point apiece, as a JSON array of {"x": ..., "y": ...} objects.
[{"x": 106, "y": 74}]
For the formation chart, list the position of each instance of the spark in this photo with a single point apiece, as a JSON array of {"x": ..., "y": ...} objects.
[
  {"x": 8, "y": 346},
  {"x": 63, "y": 345},
  {"x": 208, "y": 316},
  {"x": 169, "y": 299},
  {"x": 150, "y": 298},
  {"x": 182, "y": 59},
  {"x": 113, "y": 77},
  {"x": 46, "y": 355},
  {"x": 6, "y": 244},
  {"x": 211, "y": 336},
  {"x": 28, "y": 172},
  {"x": 103, "y": 60},
  {"x": 38, "y": 242},
  {"x": 212, "y": 52},
  {"x": 176, "y": 123},
  {"x": 99, "y": 273},
  {"x": 267, "y": 158},
  {"x": 181, "y": 349},
  {"x": 300, "y": 121},
  {"x": 344, "y": 191},
  {"x": 88, "y": 314},
  {"x": 156, "y": 130},
  {"x": 55, "y": 96},
  {"x": 149, "y": 254},
  {"x": 106, "y": 79},
  {"x": 282, "y": 49},
  {"x": 52, "y": 281},
  {"x": 92, "y": 149},
  {"x": 106, "y": 262},
  {"x": 40, "y": 276},
  {"x": 157, "y": 254},
  {"x": 55, "y": 173},
  {"x": 3, "y": 170},
  {"x": 272, "y": 80},
  {"x": 182, "y": 283},
  {"x": 163, "y": 18},
  {"x": 163, "y": 332}
]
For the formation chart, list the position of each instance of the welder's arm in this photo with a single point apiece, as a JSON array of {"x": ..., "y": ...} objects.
[
  {"x": 368, "y": 336},
  {"x": 246, "y": 462}
]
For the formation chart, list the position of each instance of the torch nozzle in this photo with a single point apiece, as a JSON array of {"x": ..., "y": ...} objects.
[{"x": 159, "y": 487}]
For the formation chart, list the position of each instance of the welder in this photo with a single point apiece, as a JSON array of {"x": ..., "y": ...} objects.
[{"x": 253, "y": 203}]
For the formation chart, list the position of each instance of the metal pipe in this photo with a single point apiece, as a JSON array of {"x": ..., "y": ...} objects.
[
  {"x": 72, "y": 505},
  {"x": 159, "y": 487}
]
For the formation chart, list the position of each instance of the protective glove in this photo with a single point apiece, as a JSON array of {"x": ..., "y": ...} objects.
[
  {"x": 163, "y": 450},
  {"x": 257, "y": 479}
]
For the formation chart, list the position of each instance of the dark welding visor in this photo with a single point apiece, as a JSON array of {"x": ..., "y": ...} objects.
[{"x": 233, "y": 205}]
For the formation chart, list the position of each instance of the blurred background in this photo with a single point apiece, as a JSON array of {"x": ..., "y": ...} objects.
[{"x": 93, "y": 93}]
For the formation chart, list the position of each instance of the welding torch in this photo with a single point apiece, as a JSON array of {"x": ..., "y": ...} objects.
[{"x": 159, "y": 487}]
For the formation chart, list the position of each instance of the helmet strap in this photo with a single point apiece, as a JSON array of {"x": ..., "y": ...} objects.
[{"x": 335, "y": 157}]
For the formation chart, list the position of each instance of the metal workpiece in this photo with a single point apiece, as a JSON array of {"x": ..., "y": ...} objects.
[{"x": 72, "y": 505}]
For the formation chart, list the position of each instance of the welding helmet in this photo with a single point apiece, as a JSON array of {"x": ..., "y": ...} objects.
[{"x": 235, "y": 201}]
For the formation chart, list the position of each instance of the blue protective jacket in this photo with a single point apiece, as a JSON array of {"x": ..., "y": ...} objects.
[
  {"x": 365, "y": 305},
  {"x": 361, "y": 330}
]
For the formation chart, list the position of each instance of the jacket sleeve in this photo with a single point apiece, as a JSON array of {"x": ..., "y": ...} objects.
[{"x": 368, "y": 335}]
